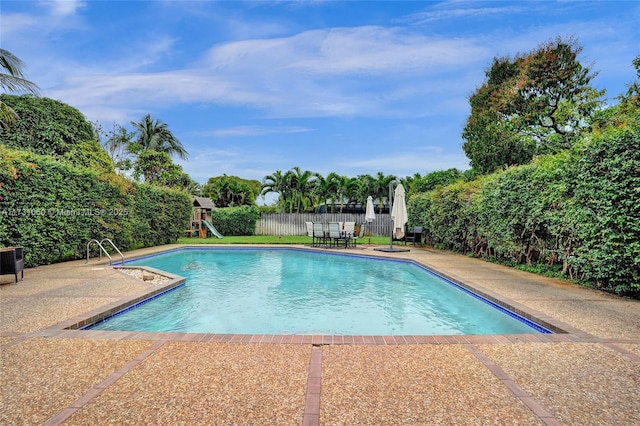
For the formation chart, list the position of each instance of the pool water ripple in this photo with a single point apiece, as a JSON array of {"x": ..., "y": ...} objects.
[{"x": 285, "y": 291}]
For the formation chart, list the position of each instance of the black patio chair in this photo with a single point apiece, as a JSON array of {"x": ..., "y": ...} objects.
[
  {"x": 12, "y": 261},
  {"x": 414, "y": 237}
]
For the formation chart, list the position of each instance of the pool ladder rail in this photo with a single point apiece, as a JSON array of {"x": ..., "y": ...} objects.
[{"x": 102, "y": 249}]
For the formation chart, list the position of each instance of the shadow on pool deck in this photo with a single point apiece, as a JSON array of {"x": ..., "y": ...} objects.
[{"x": 588, "y": 375}]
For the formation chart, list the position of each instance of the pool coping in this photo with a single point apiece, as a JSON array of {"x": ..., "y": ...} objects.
[
  {"x": 73, "y": 327},
  {"x": 317, "y": 400}
]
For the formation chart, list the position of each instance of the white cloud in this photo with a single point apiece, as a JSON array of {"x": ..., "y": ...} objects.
[
  {"x": 15, "y": 24},
  {"x": 288, "y": 77},
  {"x": 254, "y": 131},
  {"x": 365, "y": 50},
  {"x": 407, "y": 163},
  {"x": 457, "y": 10},
  {"x": 64, "y": 7}
]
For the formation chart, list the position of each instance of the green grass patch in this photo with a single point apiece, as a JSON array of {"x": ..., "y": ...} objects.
[{"x": 269, "y": 239}]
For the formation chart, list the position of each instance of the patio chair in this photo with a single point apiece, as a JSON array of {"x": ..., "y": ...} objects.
[
  {"x": 310, "y": 230},
  {"x": 12, "y": 261},
  {"x": 415, "y": 236},
  {"x": 354, "y": 240},
  {"x": 349, "y": 231},
  {"x": 318, "y": 235},
  {"x": 336, "y": 234}
]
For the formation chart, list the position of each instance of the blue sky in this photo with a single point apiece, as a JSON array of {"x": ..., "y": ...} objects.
[{"x": 351, "y": 87}]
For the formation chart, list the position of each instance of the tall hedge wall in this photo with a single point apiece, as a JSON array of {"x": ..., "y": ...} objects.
[
  {"x": 54, "y": 208},
  {"x": 576, "y": 213}
]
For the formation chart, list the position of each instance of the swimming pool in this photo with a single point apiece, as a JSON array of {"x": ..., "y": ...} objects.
[{"x": 289, "y": 291}]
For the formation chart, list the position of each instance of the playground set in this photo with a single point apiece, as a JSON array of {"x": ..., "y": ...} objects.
[{"x": 201, "y": 225}]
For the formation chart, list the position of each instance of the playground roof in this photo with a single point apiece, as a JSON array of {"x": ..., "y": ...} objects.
[{"x": 203, "y": 202}]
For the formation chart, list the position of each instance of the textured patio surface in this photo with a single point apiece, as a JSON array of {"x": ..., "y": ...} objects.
[{"x": 587, "y": 375}]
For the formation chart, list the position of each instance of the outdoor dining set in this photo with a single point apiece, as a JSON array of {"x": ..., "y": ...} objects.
[
  {"x": 345, "y": 234},
  {"x": 334, "y": 234}
]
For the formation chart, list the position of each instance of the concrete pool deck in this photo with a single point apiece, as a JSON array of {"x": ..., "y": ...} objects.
[{"x": 588, "y": 375}]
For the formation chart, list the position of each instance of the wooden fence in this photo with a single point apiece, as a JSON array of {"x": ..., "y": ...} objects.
[{"x": 294, "y": 223}]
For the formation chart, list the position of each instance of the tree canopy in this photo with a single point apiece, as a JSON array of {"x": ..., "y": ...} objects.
[
  {"x": 231, "y": 191},
  {"x": 50, "y": 127},
  {"x": 157, "y": 169},
  {"x": 154, "y": 135},
  {"x": 305, "y": 191},
  {"x": 537, "y": 103}
]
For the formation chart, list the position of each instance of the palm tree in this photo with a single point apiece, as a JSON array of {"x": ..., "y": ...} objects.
[
  {"x": 346, "y": 187},
  {"x": 273, "y": 183},
  {"x": 12, "y": 80},
  {"x": 324, "y": 190},
  {"x": 382, "y": 188},
  {"x": 302, "y": 186},
  {"x": 365, "y": 187},
  {"x": 156, "y": 136}
]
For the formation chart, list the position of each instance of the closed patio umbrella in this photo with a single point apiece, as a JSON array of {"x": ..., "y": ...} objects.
[
  {"x": 399, "y": 212},
  {"x": 369, "y": 215},
  {"x": 398, "y": 216}
]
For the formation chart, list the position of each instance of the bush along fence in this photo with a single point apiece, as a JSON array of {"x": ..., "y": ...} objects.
[
  {"x": 294, "y": 223},
  {"x": 54, "y": 208},
  {"x": 576, "y": 213}
]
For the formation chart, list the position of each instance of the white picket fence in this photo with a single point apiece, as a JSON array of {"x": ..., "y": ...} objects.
[{"x": 294, "y": 223}]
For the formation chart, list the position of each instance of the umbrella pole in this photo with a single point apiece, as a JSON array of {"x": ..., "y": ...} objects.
[{"x": 390, "y": 210}]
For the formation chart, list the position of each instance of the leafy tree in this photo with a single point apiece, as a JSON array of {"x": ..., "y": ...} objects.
[
  {"x": 156, "y": 168},
  {"x": 50, "y": 127},
  {"x": 306, "y": 191},
  {"x": 301, "y": 185},
  {"x": 231, "y": 191},
  {"x": 195, "y": 188},
  {"x": 347, "y": 191},
  {"x": 154, "y": 135},
  {"x": 381, "y": 188},
  {"x": 116, "y": 143},
  {"x": 365, "y": 186},
  {"x": 537, "y": 103},
  {"x": 12, "y": 80},
  {"x": 435, "y": 179},
  {"x": 629, "y": 107},
  {"x": 275, "y": 183},
  {"x": 326, "y": 190}
]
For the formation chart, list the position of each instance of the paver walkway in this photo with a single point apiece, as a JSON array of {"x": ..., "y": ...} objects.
[{"x": 589, "y": 375}]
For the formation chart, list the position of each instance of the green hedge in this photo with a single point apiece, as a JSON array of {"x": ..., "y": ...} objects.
[
  {"x": 576, "y": 213},
  {"x": 236, "y": 220},
  {"x": 54, "y": 208},
  {"x": 50, "y": 127}
]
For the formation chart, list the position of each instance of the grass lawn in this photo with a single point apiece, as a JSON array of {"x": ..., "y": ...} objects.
[{"x": 269, "y": 239}]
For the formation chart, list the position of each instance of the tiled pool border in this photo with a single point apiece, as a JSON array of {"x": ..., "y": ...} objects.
[
  {"x": 100, "y": 314},
  {"x": 545, "y": 328}
]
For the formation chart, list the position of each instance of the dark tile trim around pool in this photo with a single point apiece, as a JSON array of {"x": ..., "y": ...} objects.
[
  {"x": 115, "y": 308},
  {"x": 543, "y": 327}
]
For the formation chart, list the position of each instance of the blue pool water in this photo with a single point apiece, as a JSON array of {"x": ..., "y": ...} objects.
[{"x": 286, "y": 291}]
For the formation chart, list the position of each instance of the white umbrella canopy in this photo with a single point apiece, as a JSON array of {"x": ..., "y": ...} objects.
[
  {"x": 399, "y": 212},
  {"x": 370, "y": 215}
]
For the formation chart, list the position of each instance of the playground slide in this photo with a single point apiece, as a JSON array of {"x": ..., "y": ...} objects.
[{"x": 213, "y": 230}]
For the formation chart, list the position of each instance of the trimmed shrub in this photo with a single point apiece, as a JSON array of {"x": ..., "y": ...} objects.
[
  {"x": 576, "y": 213},
  {"x": 54, "y": 208},
  {"x": 607, "y": 194},
  {"x": 236, "y": 220},
  {"x": 50, "y": 127}
]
